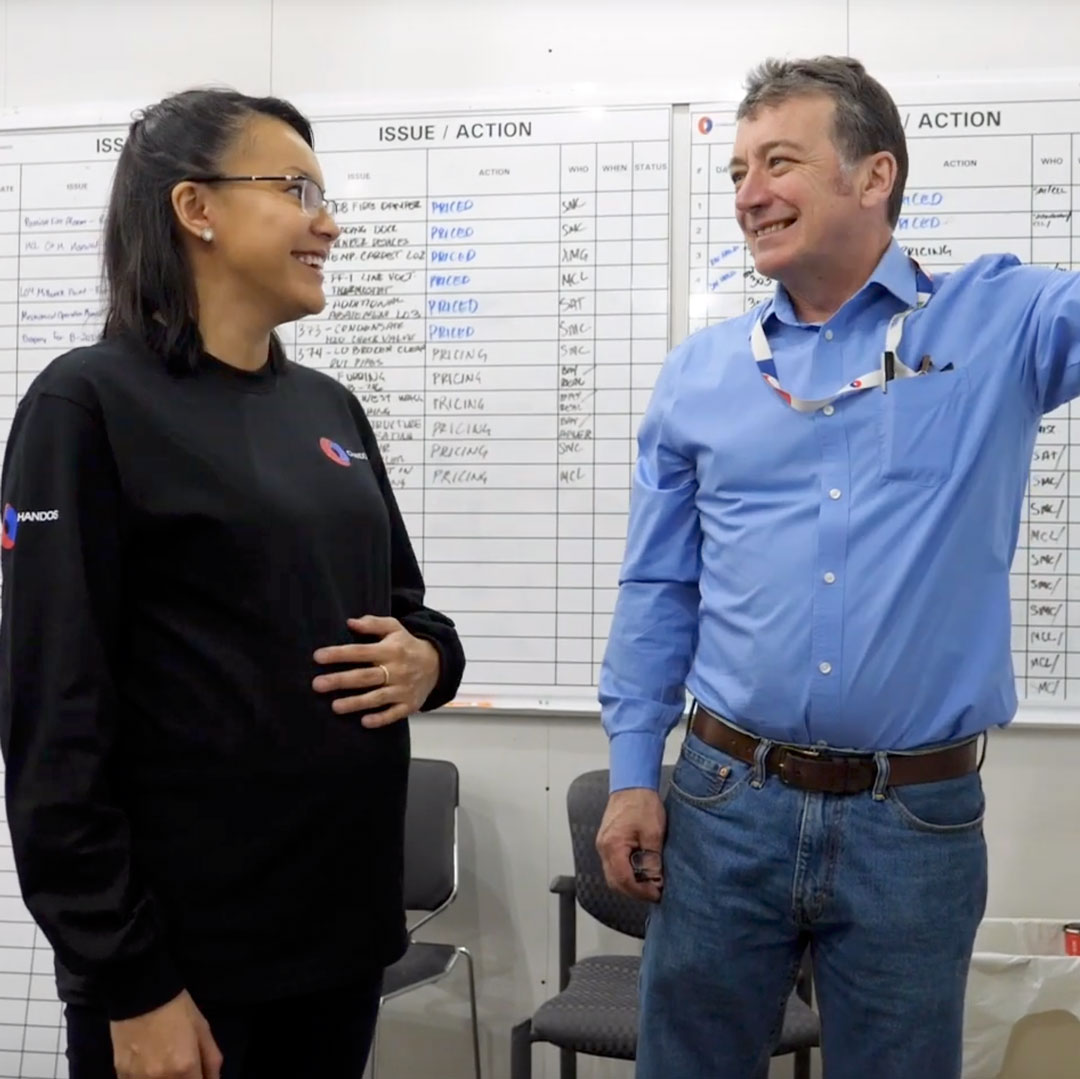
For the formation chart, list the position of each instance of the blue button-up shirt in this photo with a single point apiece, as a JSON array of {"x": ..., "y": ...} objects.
[{"x": 839, "y": 577}]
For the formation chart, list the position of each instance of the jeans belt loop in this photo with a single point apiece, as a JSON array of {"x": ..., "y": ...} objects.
[
  {"x": 690, "y": 714},
  {"x": 761, "y": 751},
  {"x": 881, "y": 759}
]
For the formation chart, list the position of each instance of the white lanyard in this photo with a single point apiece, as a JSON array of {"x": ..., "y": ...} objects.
[{"x": 891, "y": 365}]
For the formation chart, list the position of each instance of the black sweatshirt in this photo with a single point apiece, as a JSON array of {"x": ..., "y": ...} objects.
[{"x": 185, "y": 810}]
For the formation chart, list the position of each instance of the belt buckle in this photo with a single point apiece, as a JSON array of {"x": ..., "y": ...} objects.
[{"x": 796, "y": 751}]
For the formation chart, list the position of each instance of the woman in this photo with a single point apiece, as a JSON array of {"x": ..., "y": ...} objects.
[{"x": 210, "y": 642}]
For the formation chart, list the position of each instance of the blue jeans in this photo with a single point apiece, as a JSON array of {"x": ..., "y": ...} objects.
[{"x": 886, "y": 888}]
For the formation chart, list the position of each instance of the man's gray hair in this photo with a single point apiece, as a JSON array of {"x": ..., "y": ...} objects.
[{"x": 866, "y": 120}]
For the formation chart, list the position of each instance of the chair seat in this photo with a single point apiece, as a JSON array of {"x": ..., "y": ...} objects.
[
  {"x": 802, "y": 1028},
  {"x": 597, "y": 1012},
  {"x": 423, "y": 962}
]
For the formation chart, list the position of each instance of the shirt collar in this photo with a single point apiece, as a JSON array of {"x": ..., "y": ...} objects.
[{"x": 894, "y": 273}]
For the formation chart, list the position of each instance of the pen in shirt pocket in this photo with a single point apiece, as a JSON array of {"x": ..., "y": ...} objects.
[{"x": 927, "y": 365}]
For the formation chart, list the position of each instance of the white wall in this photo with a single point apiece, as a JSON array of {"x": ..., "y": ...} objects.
[{"x": 515, "y": 771}]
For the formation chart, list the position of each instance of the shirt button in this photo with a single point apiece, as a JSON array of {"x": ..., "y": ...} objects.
[
  {"x": 834, "y": 494},
  {"x": 830, "y": 578},
  {"x": 828, "y": 410},
  {"x": 825, "y": 668},
  {"x": 828, "y": 335}
]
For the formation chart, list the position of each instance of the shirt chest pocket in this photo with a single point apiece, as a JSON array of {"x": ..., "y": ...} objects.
[{"x": 921, "y": 420}]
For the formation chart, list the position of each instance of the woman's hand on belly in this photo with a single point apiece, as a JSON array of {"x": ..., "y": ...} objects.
[{"x": 394, "y": 675}]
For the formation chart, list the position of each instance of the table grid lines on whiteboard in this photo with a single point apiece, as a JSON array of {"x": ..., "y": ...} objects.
[{"x": 529, "y": 365}]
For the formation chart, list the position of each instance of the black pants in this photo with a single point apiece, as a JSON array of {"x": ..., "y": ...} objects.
[{"x": 321, "y": 1036}]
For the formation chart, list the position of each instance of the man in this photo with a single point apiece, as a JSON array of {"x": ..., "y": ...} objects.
[{"x": 825, "y": 509}]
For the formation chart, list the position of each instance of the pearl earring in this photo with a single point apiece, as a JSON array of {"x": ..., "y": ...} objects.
[{"x": 207, "y": 235}]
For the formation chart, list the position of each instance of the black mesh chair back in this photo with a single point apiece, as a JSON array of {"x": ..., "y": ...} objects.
[{"x": 430, "y": 848}]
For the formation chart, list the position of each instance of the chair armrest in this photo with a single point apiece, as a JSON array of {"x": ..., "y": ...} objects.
[
  {"x": 566, "y": 889},
  {"x": 563, "y": 885}
]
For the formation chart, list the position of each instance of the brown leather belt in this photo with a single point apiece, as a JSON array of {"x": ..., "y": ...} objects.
[{"x": 831, "y": 772}]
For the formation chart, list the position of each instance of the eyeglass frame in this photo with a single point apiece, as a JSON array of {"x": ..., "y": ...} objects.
[{"x": 331, "y": 206}]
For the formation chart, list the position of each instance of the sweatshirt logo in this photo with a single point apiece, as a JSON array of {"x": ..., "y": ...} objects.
[
  {"x": 8, "y": 527},
  {"x": 339, "y": 455},
  {"x": 12, "y": 518}
]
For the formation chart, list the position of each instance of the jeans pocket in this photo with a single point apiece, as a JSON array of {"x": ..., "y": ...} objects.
[
  {"x": 705, "y": 776},
  {"x": 921, "y": 419},
  {"x": 946, "y": 806}
]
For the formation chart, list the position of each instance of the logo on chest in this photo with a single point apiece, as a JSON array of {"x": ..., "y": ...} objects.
[{"x": 338, "y": 454}]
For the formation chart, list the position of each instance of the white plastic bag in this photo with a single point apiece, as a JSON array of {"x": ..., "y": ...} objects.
[{"x": 1019, "y": 968}]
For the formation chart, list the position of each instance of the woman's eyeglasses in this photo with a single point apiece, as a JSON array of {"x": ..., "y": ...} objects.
[{"x": 313, "y": 199}]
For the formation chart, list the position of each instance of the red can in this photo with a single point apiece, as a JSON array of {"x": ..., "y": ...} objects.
[{"x": 1072, "y": 938}]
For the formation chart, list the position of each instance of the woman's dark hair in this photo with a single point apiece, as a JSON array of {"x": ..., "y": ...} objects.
[{"x": 148, "y": 282}]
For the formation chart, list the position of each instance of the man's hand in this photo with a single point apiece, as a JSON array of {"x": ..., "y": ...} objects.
[
  {"x": 396, "y": 674},
  {"x": 171, "y": 1042},
  {"x": 634, "y": 820}
]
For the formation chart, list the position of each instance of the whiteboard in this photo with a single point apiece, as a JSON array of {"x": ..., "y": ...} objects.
[
  {"x": 992, "y": 170},
  {"x": 498, "y": 300},
  {"x": 518, "y": 263}
]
